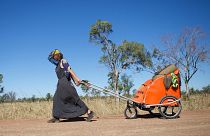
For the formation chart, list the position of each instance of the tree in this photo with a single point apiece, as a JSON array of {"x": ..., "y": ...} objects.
[
  {"x": 126, "y": 84},
  {"x": 1, "y": 88},
  {"x": 187, "y": 51},
  {"x": 159, "y": 61},
  {"x": 3, "y": 98},
  {"x": 85, "y": 89},
  {"x": 48, "y": 97},
  {"x": 33, "y": 98},
  {"x": 118, "y": 58},
  {"x": 206, "y": 89},
  {"x": 1, "y": 80},
  {"x": 8, "y": 97},
  {"x": 11, "y": 96},
  {"x": 89, "y": 91},
  {"x": 133, "y": 55}
]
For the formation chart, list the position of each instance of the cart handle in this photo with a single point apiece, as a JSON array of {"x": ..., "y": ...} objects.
[{"x": 104, "y": 90}]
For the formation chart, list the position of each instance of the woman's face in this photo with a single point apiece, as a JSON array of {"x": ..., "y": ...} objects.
[{"x": 56, "y": 57}]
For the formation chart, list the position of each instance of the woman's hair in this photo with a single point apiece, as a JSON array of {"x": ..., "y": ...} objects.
[
  {"x": 51, "y": 57},
  {"x": 61, "y": 56}
]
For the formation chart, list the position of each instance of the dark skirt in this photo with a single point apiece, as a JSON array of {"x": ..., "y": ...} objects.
[{"x": 66, "y": 101}]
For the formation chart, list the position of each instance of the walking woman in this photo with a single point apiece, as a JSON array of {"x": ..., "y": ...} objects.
[{"x": 66, "y": 101}]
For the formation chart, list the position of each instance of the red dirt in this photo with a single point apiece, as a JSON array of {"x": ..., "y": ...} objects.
[{"x": 191, "y": 123}]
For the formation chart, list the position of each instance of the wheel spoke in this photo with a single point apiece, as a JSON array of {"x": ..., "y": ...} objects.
[
  {"x": 129, "y": 109},
  {"x": 165, "y": 109},
  {"x": 173, "y": 113}
]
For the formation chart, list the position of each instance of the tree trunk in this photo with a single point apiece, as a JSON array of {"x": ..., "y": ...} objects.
[
  {"x": 187, "y": 91},
  {"x": 117, "y": 100},
  {"x": 128, "y": 92}
]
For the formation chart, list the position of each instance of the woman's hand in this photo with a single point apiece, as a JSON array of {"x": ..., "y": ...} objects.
[
  {"x": 85, "y": 83},
  {"x": 78, "y": 82}
]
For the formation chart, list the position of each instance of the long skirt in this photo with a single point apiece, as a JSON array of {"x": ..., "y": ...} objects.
[{"x": 66, "y": 101}]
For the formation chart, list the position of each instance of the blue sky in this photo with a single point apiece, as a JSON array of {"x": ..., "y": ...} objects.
[{"x": 30, "y": 29}]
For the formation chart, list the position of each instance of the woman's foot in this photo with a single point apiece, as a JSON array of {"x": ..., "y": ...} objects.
[
  {"x": 53, "y": 120},
  {"x": 90, "y": 116}
]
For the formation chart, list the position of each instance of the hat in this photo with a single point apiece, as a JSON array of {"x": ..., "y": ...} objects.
[{"x": 54, "y": 52}]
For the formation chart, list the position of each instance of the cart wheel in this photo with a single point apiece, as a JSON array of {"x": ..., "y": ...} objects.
[
  {"x": 170, "y": 111},
  {"x": 130, "y": 112}
]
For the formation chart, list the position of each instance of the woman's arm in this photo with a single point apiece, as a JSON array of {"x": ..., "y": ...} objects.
[{"x": 74, "y": 76}]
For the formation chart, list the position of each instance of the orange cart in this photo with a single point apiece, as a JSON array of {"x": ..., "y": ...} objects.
[{"x": 162, "y": 91}]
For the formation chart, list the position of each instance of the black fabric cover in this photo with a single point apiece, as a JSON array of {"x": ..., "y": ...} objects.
[
  {"x": 167, "y": 82},
  {"x": 66, "y": 101},
  {"x": 167, "y": 70}
]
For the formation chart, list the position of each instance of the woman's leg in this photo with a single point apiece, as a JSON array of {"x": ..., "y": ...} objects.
[
  {"x": 82, "y": 105},
  {"x": 87, "y": 110}
]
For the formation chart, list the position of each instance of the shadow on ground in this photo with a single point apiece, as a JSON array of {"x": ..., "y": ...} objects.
[
  {"x": 77, "y": 119},
  {"x": 149, "y": 116},
  {"x": 153, "y": 115}
]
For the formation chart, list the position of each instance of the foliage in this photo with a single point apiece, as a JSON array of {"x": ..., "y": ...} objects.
[
  {"x": 125, "y": 84},
  {"x": 1, "y": 88},
  {"x": 100, "y": 32},
  {"x": 1, "y": 80},
  {"x": 204, "y": 90},
  {"x": 48, "y": 97},
  {"x": 8, "y": 97},
  {"x": 89, "y": 92},
  {"x": 134, "y": 55},
  {"x": 128, "y": 55}
]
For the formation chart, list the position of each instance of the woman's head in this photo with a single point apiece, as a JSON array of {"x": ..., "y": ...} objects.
[{"x": 55, "y": 56}]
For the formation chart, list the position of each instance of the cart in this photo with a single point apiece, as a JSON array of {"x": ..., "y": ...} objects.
[{"x": 162, "y": 92}]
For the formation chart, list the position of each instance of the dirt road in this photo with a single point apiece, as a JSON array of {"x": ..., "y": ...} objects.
[{"x": 193, "y": 123}]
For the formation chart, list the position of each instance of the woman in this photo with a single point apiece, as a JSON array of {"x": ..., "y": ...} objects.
[{"x": 66, "y": 102}]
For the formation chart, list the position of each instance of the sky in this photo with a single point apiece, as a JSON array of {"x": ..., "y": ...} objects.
[{"x": 31, "y": 29}]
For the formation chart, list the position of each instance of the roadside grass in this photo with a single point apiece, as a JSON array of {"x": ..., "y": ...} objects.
[
  {"x": 101, "y": 106},
  {"x": 196, "y": 102}
]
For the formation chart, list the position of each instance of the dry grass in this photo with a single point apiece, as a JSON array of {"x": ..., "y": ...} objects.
[
  {"x": 25, "y": 110},
  {"x": 105, "y": 106},
  {"x": 42, "y": 110},
  {"x": 197, "y": 102}
]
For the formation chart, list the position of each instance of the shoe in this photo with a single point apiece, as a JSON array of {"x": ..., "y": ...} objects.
[
  {"x": 53, "y": 120},
  {"x": 90, "y": 116}
]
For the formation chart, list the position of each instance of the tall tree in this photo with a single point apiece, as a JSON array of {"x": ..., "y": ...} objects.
[
  {"x": 187, "y": 51},
  {"x": 118, "y": 57},
  {"x": 125, "y": 84}
]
